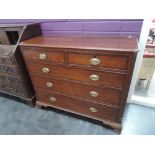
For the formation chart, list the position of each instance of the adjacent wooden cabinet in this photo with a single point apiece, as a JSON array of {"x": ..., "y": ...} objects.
[
  {"x": 89, "y": 76},
  {"x": 14, "y": 78}
]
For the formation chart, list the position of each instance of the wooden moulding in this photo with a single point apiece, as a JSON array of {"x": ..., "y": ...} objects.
[{"x": 115, "y": 126}]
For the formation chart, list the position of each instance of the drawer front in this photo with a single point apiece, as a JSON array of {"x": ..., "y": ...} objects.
[
  {"x": 9, "y": 78},
  {"x": 107, "y": 61},
  {"x": 6, "y": 60},
  {"x": 44, "y": 55},
  {"x": 12, "y": 89},
  {"x": 93, "y": 77},
  {"x": 88, "y": 92},
  {"x": 8, "y": 69},
  {"x": 76, "y": 105}
]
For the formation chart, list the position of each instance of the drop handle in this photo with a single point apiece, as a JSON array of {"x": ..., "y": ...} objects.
[
  {"x": 42, "y": 56},
  {"x": 95, "y": 61},
  {"x": 49, "y": 84},
  {"x": 52, "y": 99},
  {"x": 93, "y": 94},
  {"x": 45, "y": 70},
  {"x": 94, "y": 77},
  {"x": 92, "y": 109}
]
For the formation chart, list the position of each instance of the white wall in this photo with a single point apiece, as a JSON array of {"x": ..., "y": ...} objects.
[{"x": 142, "y": 42}]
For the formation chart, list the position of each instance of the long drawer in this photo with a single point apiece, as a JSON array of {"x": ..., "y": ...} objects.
[
  {"x": 83, "y": 75},
  {"x": 76, "y": 89},
  {"x": 78, "y": 106}
]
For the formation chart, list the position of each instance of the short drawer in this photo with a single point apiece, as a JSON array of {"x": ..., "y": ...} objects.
[
  {"x": 106, "y": 61},
  {"x": 78, "y": 106},
  {"x": 9, "y": 69},
  {"x": 46, "y": 55},
  {"x": 83, "y": 75},
  {"x": 75, "y": 89}
]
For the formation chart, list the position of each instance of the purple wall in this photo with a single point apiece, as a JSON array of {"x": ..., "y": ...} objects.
[{"x": 84, "y": 26}]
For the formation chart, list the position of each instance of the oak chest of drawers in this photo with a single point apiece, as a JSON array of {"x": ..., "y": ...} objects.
[
  {"x": 89, "y": 76},
  {"x": 14, "y": 78}
]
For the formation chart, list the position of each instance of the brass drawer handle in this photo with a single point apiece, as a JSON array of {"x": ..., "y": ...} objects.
[
  {"x": 94, "y": 77},
  {"x": 52, "y": 99},
  {"x": 95, "y": 61},
  {"x": 48, "y": 84},
  {"x": 45, "y": 70},
  {"x": 42, "y": 56},
  {"x": 92, "y": 109},
  {"x": 93, "y": 94}
]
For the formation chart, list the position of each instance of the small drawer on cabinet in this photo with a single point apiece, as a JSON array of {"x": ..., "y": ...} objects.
[
  {"x": 75, "y": 89},
  {"x": 46, "y": 55},
  {"x": 83, "y": 75},
  {"x": 107, "y": 61},
  {"x": 78, "y": 106}
]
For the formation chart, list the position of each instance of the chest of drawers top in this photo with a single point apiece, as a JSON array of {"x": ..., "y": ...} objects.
[{"x": 128, "y": 44}]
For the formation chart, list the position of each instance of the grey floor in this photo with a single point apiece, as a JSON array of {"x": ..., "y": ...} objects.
[{"x": 18, "y": 118}]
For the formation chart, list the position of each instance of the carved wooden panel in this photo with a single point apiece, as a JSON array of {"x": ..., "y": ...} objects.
[
  {"x": 9, "y": 78},
  {"x": 12, "y": 89},
  {"x": 6, "y": 60},
  {"x": 8, "y": 69}
]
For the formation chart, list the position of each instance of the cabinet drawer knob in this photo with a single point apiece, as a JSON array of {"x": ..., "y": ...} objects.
[
  {"x": 93, "y": 93},
  {"x": 92, "y": 109},
  {"x": 49, "y": 84},
  {"x": 94, "y": 77},
  {"x": 95, "y": 61},
  {"x": 45, "y": 70},
  {"x": 42, "y": 56},
  {"x": 52, "y": 99}
]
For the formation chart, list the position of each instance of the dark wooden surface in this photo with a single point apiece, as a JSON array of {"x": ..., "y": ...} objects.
[
  {"x": 29, "y": 31},
  {"x": 69, "y": 69},
  {"x": 87, "y": 42}
]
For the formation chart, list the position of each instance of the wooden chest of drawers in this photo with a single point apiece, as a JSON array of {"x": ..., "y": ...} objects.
[
  {"x": 14, "y": 78},
  {"x": 89, "y": 76}
]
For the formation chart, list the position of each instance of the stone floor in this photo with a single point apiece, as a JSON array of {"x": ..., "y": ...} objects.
[{"x": 19, "y": 119}]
